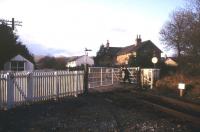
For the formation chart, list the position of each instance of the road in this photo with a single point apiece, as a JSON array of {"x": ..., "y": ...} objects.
[{"x": 97, "y": 111}]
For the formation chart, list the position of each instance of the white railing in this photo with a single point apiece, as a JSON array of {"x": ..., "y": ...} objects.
[
  {"x": 102, "y": 76},
  {"x": 24, "y": 87}
]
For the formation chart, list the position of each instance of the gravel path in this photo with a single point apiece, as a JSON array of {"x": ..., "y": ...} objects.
[{"x": 96, "y": 112}]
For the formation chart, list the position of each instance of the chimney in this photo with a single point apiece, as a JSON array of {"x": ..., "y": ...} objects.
[
  {"x": 138, "y": 40},
  {"x": 107, "y": 44}
]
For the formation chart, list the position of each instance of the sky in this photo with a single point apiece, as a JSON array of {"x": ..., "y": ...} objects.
[{"x": 67, "y": 27}]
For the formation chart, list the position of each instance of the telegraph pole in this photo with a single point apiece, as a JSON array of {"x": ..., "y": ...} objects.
[{"x": 11, "y": 23}]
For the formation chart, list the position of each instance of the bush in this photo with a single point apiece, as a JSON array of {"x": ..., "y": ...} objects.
[{"x": 169, "y": 84}]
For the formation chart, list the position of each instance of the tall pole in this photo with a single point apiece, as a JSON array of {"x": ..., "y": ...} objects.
[
  {"x": 86, "y": 79},
  {"x": 11, "y": 23},
  {"x": 86, "y": 72}
]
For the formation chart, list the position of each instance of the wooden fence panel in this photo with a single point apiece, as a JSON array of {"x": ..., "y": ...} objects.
[
  {"x": 18, "y": 88},
  {"x": 3, "y": 90}
]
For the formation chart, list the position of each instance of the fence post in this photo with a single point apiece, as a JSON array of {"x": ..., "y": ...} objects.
[
  {"x": 30, "y": 87},
  {"x": 10, "y": 90},
  {"x": 56, "y": 88},
  {"x": 76, "y": 81},
  {"x": 139, "y": 77},
  {"x": 152, "y": 78},
  {"x": 101, "y": 77},
  {"x": 86, "y": 79},
  {"x": 112, "y": 76},
  {"x": 89, "y": 73}
]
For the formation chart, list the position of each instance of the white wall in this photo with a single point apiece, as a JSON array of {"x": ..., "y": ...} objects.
[{"x": 81, "y": 61}]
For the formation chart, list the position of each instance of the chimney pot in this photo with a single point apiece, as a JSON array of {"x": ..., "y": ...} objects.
[
  {"x": 138, "y": 40},
  {"x": 107, "y": 44}
]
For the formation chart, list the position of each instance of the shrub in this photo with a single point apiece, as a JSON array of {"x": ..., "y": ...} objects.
[{"x": 169, "y": 84}]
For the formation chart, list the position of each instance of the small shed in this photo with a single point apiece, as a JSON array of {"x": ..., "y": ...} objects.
[
  {"x": 81, "y": 60},
  {"x": 18, "y": 63}
]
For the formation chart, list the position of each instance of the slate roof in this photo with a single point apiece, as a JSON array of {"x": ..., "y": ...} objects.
[
  {"x": 113, "y": 50},
  {"x": 19, "y": 57},
  {"x": 74, "y": 58},
  {"x": 132, "y": 48}
]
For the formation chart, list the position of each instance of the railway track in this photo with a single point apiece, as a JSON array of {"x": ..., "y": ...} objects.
[{"x": 185, "y": 111}]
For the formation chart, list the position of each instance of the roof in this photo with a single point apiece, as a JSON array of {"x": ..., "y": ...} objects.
[
  {"x": 74, "y": 58},
  {"x": 132, "y": 48},
  {"x": 19, "y": 58},
  {"x": 171, "y": 62},
  {"x": 113, "y": 50}
]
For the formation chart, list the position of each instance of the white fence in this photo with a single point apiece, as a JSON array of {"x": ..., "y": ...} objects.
[
  {"x": 103, "y": 76},
  {"x": 149, "y": 77},
  {"x": 23, "y": 87}
]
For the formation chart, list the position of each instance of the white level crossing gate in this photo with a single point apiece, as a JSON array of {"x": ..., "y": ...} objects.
[
  {"x": 134, "y": 73},
  {"x": 106, "y": 76},
  {"x": 103, "y": 76}
]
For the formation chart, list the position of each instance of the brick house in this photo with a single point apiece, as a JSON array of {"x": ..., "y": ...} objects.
[
  {"x": 106, "y": 56},
  {"x": 138, "y": 54}
]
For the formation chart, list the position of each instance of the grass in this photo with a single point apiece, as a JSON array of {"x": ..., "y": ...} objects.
[{"x": 169, "y": 85}]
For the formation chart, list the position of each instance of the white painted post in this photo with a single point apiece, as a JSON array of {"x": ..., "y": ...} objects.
[
  {"x": 89, "y": 74},
  {"x": 152, "y": 79},
  {"x": 30, "y": 86},
  {"x": 10, "y": 90},
  {"x": 76, "y": 83},
  {"x": 56, "y": 88},
  {"x": 181, "y": 87},
  {"x": 101, "y": 77}
]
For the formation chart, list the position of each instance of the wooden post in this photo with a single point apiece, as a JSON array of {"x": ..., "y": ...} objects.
[
  {"x": 30, "y": 87},
  {"x": 139, "y": 77},
  {"x": 181, "y": 87},
  {"x": 56, "y": 88},
  {"x": 152, "y": 78},
  {"x": 181, "y": 92},
  {"x": 76, "y": 83},
  {"x": 10, "y": 91},
  {"x": 86, "y": 79},
  {"x": 112, "y": 76},
  {"x": 101, "y": 77}
]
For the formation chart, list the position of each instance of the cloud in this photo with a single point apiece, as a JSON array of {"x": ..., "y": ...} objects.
[{"x": 39, "y": 49}]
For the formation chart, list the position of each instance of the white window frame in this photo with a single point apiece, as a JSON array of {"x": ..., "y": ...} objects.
[{"x": 17, "y": 67}]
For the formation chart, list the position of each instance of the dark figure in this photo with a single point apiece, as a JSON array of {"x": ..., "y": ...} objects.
[{"x": 126, "y": 75}]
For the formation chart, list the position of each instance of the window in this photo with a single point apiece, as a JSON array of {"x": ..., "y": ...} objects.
[
  {"x": 17, "y": 65},
  {"x": 134, "y": 54}
]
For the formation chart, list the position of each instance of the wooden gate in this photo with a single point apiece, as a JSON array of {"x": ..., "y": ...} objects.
[
  {"x": 24, "y": 87},
  {"x": 134, "y": 73}
]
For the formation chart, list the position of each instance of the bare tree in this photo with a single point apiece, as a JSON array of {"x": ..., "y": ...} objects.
[
  {"x": 174, "y": 31},
  {"x": 182, "y": 33}
]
